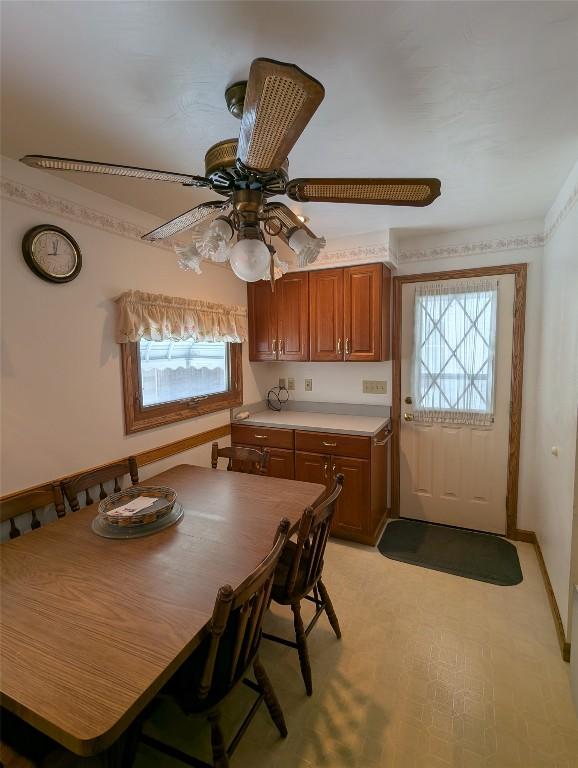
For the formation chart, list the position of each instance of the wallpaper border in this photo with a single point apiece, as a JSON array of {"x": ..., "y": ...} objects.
[{"x": 45, "y": 201}]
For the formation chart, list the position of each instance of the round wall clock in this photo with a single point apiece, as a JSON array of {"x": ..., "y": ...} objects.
[{"x": 51, "y": 253}]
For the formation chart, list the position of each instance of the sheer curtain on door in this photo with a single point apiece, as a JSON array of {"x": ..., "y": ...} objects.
[{"x": 454, "y": 351}]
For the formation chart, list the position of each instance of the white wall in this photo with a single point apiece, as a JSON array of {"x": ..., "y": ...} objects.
[
  {"x": 332, "y": 382},
  {"x": 517, "y": 242},
  {"x": 557, "y": 393},
  {"x": 61, "y": 381}
]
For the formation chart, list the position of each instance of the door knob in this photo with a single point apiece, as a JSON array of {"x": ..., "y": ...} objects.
[
  {"x": 408, "y": 400},
  {"x": 408, "y": 416}
]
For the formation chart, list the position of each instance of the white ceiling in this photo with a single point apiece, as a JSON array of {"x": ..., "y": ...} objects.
[{"x": 483, "y": 95}]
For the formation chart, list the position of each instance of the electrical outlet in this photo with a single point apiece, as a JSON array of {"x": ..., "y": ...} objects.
[
  {"x": 308, "y": 385},
  {"x": 371, "y": 387},
  {"x": 282, "y": 383},
  {"x": 290, "y": 383}
]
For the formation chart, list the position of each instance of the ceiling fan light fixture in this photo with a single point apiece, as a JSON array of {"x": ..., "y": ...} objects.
[
  {"x": 214, "y": 245},
  {"x": 306, "y": 248},
  {"x": 249, "y": 258},
  {"x": 189, "y": 257}
]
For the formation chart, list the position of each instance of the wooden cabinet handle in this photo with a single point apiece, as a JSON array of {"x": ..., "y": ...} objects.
[
  {"x": 325, "y": 468},
  {"x": 339, "y": 345},
  {"x": 347, "y": 345},
  {"x": 334, "y": 470},
  {"x": 261, "y": 437},
  {"x": 281, "y": 346},
  {"x": 274, "y": 346},
  {"x": 329, "y": 445}
]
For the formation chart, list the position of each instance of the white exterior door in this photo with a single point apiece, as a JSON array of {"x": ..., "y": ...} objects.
[{"x": 451, "y": 472}]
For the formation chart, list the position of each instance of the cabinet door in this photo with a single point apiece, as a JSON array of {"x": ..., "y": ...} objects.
[
  {"x": 326, "y": 314},
  {"x": 352, "y": 516},
  {"x": 281, "y": 463},
  {"x": 262, "y": 321},
  {"x": 362, "y": 309},
  {"x": 292, "y": 297},
  {"x": 312, "y": 467}
]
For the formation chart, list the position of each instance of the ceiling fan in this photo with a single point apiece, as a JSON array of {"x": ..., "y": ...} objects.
[{"x": 274, "y": 106}]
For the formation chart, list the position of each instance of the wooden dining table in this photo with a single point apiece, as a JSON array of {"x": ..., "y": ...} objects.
[{"x": 92, "y": 628}]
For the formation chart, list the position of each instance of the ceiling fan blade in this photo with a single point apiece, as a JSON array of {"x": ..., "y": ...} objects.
[
  {"x": 201, "y": 214},
  {"x": 412, "y": 192},
  {"x": 279, "y": 102},
  {"x": 87, "y": 166},
  {"x": 288, "y": 220}
]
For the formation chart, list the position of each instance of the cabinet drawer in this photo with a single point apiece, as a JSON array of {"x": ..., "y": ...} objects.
[
  {"x": 355, "y": 446},
  {"x": 247, "y": 434}
]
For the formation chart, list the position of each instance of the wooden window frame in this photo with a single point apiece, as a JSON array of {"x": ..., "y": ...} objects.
[{"x": 138, "y": 418}]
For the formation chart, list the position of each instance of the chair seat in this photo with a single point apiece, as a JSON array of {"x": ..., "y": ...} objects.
[{"x": 279, "y": 591}]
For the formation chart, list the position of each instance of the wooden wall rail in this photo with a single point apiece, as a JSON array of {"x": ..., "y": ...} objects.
[{"x": 143, "y": 458}]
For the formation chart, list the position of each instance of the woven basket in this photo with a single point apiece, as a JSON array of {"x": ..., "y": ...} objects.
[{"x": 164, "y": 500}]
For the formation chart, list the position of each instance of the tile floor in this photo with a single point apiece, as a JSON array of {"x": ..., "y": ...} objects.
[{"x": 433, "y": 671}]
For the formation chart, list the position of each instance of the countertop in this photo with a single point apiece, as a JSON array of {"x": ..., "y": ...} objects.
[{"x": 318, "y": 422}]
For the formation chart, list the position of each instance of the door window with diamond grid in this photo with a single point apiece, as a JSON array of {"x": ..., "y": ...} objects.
[{"x": 454, "y": 352}]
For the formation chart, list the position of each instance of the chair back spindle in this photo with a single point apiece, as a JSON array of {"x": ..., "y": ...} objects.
[
  {"x": 311, "y": 542},
  {"x": 235, "y": 628},
  {"x": 16, "y": 510},
  {"x": 85, "y": 481},
  {"x": 252, "y": 461}
]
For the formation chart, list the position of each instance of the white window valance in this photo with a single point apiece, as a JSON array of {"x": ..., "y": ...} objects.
[
  {"x": 454, "y": 352},
  {"x": 155, "y": 317}
]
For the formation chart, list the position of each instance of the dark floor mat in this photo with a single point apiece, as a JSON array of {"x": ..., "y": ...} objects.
[{"x": 474, "y": 555}]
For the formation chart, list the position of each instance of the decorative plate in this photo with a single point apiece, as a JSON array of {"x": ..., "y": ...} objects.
[{"x": 102, "y": 528}]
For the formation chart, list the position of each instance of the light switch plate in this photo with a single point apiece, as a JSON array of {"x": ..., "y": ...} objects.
[
  {"x": 308, "y": 385},
  {"x": 371, "y": 387},
  {"x": 290, "y": 383}
]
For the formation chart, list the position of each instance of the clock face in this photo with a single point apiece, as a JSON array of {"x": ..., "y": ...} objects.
[{"x": 52, "y": 253}]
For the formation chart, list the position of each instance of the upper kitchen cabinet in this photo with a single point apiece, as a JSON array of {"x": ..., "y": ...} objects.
[
  {"x": 262, "y": 321},
  {"x": 324, "y": 315},
  {"x": 279, "y": 320},
  {"x": 292, "y": 298},
  {"x": 366, "y": 292},
  {"x": 349, "y": 313}
]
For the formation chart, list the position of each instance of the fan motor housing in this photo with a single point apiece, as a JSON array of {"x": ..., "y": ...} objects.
[{"x": 223, "y": 156}]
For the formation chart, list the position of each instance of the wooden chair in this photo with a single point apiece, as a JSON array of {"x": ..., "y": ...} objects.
[
  {"x": 249, "y": 460},
  {"x": 87, "y": 480},
  {"x": 22, "y": 746},
  {"x": 28, "y": 504},
  {"x": 299, "y": 573},
  {"x": 223, "y": 659}
]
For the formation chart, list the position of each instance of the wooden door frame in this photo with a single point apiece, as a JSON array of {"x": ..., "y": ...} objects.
[{"x": 520, "y": 272}]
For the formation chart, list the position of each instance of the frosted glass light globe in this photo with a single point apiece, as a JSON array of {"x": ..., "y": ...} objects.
[
  {"x": 306, "y": 248},
  {"x": 249, "y": 259}
]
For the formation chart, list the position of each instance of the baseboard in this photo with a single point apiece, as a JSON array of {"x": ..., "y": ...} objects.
[{"x": 531, "y": 538}]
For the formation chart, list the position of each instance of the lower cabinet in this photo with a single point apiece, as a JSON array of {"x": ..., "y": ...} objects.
[
  {"x": 362, "y": 505},
  {"x": 281, "y": 463},
  {"x": 352, "y": 516},
  {"x": 312, "y": 467}
]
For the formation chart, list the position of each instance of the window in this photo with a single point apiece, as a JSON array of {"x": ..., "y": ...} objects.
[
  {"x": 181, "y": 370},
  {"x": 168, "y": 381},
  {"x": 454, "y": 349}
]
